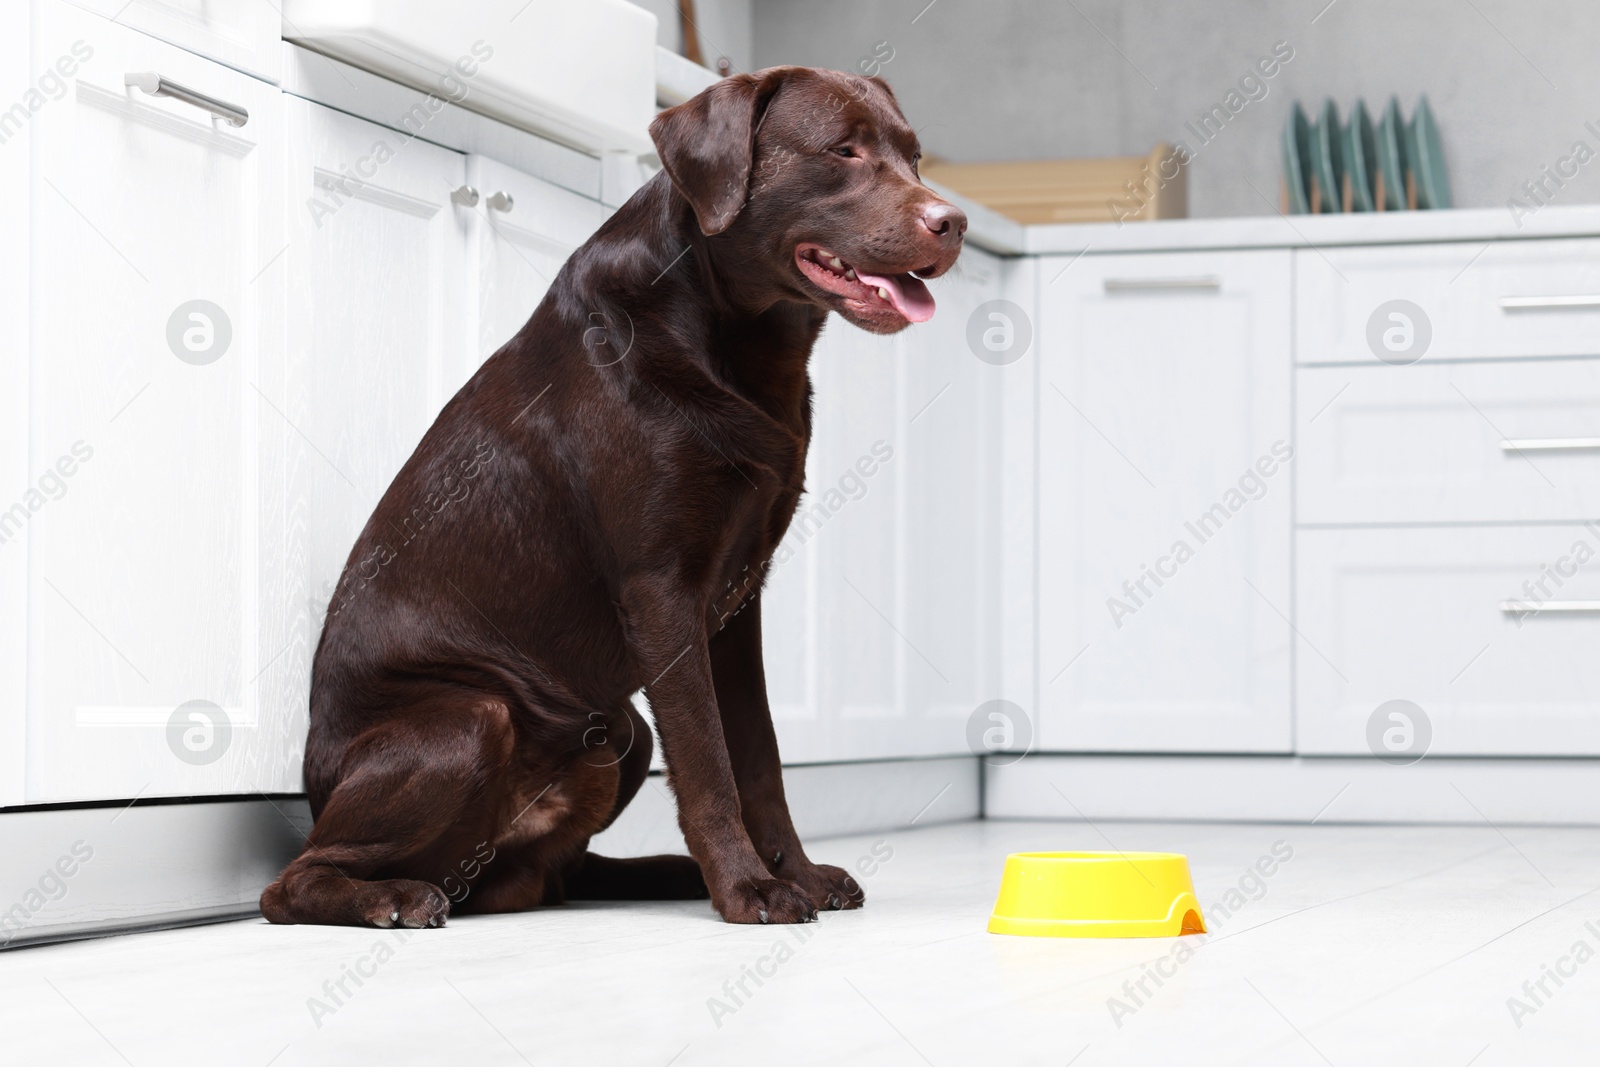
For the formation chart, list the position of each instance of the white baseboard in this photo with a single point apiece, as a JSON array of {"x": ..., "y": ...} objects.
[
  {"x": 826, "y": 800},
  {"x": 88, "y": 871},
  {"x": 1296, "y": 789}
]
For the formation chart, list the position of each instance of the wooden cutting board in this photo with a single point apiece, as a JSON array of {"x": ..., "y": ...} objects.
[{"x": 1109, "y": 189}]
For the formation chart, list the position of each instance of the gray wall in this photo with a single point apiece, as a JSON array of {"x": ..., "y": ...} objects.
[
  {"x": 1512, "y": 84},
  {"x": 724, "y": 29}
]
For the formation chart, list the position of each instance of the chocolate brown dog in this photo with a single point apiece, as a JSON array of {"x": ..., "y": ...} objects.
[{"x": 592, "y": 514}]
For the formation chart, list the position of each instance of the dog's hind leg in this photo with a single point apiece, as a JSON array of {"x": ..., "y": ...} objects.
[
  {"x": 595, "y": 877},
  {"x": 404, "y": 788}
]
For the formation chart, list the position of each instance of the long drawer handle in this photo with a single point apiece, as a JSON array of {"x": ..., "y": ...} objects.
[
  {"x": 1535, "y": 303},
  {"x": 1562, "y": 607},
  {"x": 1206, "y": 283},
  {"x": 155, "y": 85},
  {"x": 1550, "y": 444}
]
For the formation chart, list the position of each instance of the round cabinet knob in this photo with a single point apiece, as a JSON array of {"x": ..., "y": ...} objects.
[
  {"x": 466, "y": 196},
  {"x": 501, "y": 202}
]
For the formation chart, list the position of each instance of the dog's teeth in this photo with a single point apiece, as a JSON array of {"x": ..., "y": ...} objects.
[
  {"x": 835, "y": 262},
  {"x": 850, "y": 275},
  {"x": 883, "y": 294}
]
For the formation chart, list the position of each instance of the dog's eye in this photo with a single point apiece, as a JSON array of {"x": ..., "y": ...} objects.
[
  {"x": 846, "y": 151},
  {"x": 914, "y": 161}
]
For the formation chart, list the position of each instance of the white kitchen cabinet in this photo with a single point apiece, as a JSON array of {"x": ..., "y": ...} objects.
[
  {"x": 243, "y": 34},
  {"x": 1442, "y": 493},
  {"x": 380, "y": 326},
  {"x": 1164, "y": 502},
  {"x": 878, "y": 617},
  {"x": 523, "y": 232},
  {"x": 1430, "y": 616},
  {"x": 155, "y": 550}
]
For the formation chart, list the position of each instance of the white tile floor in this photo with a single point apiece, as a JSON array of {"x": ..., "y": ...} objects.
[{"x": 1371, "y": 945}]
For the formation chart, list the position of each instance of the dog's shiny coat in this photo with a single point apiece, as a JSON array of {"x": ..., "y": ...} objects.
[{"x": 592, "y": 514}]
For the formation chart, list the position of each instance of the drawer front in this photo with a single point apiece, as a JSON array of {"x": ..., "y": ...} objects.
[
  {"x": 243, "y": 34},
  {"x": 1511, "y": 299},
  {"x": 1429, "y": 617},
  {"x": 1512, "y": 441}
]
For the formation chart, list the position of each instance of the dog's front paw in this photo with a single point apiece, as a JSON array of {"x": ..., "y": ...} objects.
[
  {"x": 829, "y": 888},
  {"x": 765, "y": 900},
  {"x": 404, "y": 902}
]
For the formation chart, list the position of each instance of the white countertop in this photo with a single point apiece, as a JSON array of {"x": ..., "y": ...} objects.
[{"x": 987, "y": 229}]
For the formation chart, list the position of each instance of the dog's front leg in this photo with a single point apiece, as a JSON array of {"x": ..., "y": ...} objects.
[
  {"x": 672, "y": 644},
  {"x": 739, "y": 674}
]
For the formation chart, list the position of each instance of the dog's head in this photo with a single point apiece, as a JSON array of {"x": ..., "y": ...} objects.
[{"x": 810, "y": 178}]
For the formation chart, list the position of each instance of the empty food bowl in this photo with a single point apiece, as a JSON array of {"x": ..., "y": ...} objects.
[{"x": 1096, "y": 894}]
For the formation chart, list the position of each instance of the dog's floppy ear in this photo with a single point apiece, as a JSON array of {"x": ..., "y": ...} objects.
[{"x": 706, "y": 146}]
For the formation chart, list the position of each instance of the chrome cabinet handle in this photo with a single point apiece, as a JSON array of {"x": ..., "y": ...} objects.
[
  {"x": 1551, "y": 444},
  {"x": 1559, "y": 607},
  {"x": 153, "y": 84},
  {"x": 501, "y": 202},
  {"x": 1206, "y": 283},
  {"x": 466, "y": 196},
  {"x": 1535, "y": 303}
]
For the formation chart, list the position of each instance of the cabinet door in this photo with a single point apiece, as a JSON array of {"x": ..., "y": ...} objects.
[
  {"x": 950, "y": 419},
  {"x": 877, "y": 615},
  {"x": 1164, "y": 502},
  {"x": 523, "y": 231},
  {"x": 379, "y": 323},
  {"x": 155, "y": 500},
  {"x": 831, "y": 603},
  {"x": 16, "y": 465}
]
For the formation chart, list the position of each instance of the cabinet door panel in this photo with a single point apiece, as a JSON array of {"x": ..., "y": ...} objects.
[
  {"x": 379, "y": 320},
  {"x": 1163, "y": 541},
  {"x": 877, "y": 615},
  {"x": 16, "y": 465},
  {"x": 156, "y": 325},
  {"x": 951, "y": 512},
  {"x": 520, "y": 244}
]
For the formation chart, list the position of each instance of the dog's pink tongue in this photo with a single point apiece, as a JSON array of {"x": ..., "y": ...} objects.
[{"x": 906, "y": 292}]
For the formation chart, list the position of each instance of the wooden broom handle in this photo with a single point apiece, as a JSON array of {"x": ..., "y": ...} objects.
[{"x": 691, "y": 39}]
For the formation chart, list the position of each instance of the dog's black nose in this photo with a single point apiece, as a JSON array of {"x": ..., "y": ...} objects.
[{"x": 945, "y": 221}]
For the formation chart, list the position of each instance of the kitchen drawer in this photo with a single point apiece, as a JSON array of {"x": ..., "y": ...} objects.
[
  {"x": 243, "y": 34},
  {"x": 1453, "y": 442},
  {"x": 1513, "y": 299},
  {"x": 1419, "y": 615}
]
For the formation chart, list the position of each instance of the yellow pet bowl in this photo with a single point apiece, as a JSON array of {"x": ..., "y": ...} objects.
[{"x": 1096, "y": 894}]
